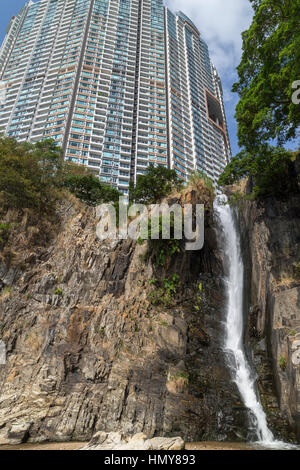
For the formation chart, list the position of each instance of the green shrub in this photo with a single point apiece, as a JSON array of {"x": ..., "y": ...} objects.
[
  {"x": 269, "y": 167},
  {"x": 162, "y": 250},
  {"x": 183, "y": 375},
  {"x": 90, "y": 190},
  {"x": 170, "y": 285},
  {"x": 6, "y": 291},
  {"x": 292, "y": 333},
  {"x": 165, "y": 291},
  {"x": 283, "y": 363},
  {"x": 198, "y": 299},
  {"x": 58, "y": 291},
  {"x": 157, "y": 183}
]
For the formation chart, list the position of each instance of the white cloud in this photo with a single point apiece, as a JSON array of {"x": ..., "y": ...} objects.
[{"x": 221, "y": 23}]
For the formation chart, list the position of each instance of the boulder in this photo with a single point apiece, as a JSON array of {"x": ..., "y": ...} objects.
[{"x": 115, "y": 441}]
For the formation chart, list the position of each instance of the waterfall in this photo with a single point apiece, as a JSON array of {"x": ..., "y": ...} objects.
[{"x": 242, "y": 374}]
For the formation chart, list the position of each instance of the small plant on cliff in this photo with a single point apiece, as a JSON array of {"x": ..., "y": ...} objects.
[
  {"x": 283, "y": 363},
  {"x": 165, "y": 291},
  {"x": 156, "y": 297},
  {"x": 199, "y": 297},
  {"x": 162, "y": 250},
  {"x": 58, "y": 291},
  {"x": 178, "y": 381},
  {"x": 101, "y": 331},
  {"x": 170, "y": 285},
  {"x": 183, "y": 375},
  {"x": 292, "y": 333},
  {"x": 6, "y": 291},
  {"x": 161, "y": 246}
]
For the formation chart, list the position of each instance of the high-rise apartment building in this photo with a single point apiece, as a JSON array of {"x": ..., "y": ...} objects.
[{"x": 118, "y": 84}]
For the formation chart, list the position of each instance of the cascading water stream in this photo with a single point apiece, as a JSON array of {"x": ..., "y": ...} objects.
[{"x": 241, "y": 371}]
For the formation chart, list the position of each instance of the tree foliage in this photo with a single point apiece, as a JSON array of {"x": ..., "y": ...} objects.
[
  {"x": 29, "y": 174},
  {"x": 269, "y": 167},
  {"x": 35, "y": 176},
  {"x": 90, "y": 190},
  {"x": 266, "y": 113},
  {"x": 157, "y": 183},
  {"x": 270, "y": 65}
]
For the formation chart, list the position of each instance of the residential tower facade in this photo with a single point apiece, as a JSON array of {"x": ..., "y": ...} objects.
[{"x": 118, "y": 84}]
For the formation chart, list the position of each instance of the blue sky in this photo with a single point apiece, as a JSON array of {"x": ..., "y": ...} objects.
[
  {"x": 220, "y": 22},
  {"x": 8, "y": 9}
]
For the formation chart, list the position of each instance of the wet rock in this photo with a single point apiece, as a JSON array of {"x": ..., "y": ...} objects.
[{"x": 270, "y": 234}]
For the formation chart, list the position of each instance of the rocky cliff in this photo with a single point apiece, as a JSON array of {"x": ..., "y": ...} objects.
[
  {"x": 99, "y": 337},
  {"x": 92, "y": 346},
  {"x": 271, "y": 244}
]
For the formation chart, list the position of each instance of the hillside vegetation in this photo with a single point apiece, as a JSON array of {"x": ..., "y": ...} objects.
[{"x": 268, "y": 117}]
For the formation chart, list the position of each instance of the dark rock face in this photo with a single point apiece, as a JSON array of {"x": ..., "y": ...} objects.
[
  {"x": 271, "y": 242},
  {"x": 88, "y": 352}
]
